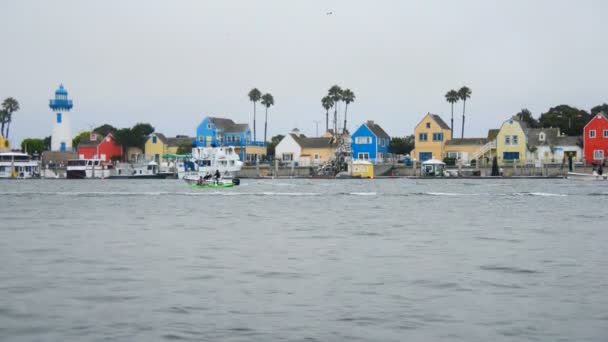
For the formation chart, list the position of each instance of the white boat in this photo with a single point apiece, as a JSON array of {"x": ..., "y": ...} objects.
[
  {"x": 207, "y": 160},
  {"x": 586, "y": 176},
  {"x": 18, "y": 165},
  {"x": 88, "y": 168},
  {"x": 138, "y": 171}
]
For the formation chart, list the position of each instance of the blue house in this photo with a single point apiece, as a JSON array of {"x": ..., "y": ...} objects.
[
  {"x": 370, "y": 142},
  {"x": 225, "y": 132}
]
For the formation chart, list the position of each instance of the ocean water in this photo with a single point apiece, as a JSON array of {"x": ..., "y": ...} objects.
[{"x": 304, "y": 260}]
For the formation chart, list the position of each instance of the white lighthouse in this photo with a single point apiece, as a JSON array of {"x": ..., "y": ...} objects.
[{"x": 61, "y": 139}]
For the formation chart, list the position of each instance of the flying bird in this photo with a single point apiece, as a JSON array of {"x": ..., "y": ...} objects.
[{"x": 329, "y": 13}]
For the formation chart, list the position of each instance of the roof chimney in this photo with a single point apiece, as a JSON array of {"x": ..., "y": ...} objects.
[{"x": 370, "y": 122}]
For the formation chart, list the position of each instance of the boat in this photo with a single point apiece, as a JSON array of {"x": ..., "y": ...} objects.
[
  {"x": 145, "y": 171},
  {"x": 18, "y": 165},
  {"x": 587, "y": 176},
  {"x": 433, "y": 168},
  {"x": 207, "y": 161},
  {"x": 212, "y": 186},
  {"x": 88, "y": 168}
]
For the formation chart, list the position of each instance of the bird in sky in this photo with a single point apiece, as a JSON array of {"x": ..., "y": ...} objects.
[{"x": 329, "y": 13}]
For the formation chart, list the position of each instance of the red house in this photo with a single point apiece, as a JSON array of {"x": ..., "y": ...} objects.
[
  {"x": 98, "y": 147},
  {"x": 596, "y": 140}
]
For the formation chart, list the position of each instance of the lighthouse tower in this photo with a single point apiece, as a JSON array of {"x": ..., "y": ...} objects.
[{"x": 61, "y": 140}]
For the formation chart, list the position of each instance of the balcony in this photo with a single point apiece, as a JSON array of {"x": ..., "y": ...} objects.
[
  {"x": 60, "y": 104},
  {"x": 244, "y": 143}
]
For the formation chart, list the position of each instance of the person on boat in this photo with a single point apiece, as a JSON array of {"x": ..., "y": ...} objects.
[
  {"x": 200, "y": 181},
  {"x": 600, "y": 170}
]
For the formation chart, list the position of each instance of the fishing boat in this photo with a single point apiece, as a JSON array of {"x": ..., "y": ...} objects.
[
  {"x": 18, "y": 165},
  {"x": 587, "y": 176},
  {"x": 88, "y": 168}
]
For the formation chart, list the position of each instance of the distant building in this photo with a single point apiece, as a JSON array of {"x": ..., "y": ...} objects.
[
  {"x": 370, "y": 143},
  {"x": 98, "y": 147},
  {"x": 214, "y": 131},
  {"x": 464, "y": 150},
  {"x": 157, "y": 145},
  {"x": 548, "y": 145},
  {"x": 304, "y": 151},
  {"x": 61, "y": 138},
  {"x": 430, "y": 137},
  {"x": 596, "y": 140},
  {"x": 511, "y": 142},
  {"x": 5, "y": 145}
]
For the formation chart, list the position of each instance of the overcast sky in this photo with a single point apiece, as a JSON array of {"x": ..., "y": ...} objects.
[{"x": 171, "y": 63}]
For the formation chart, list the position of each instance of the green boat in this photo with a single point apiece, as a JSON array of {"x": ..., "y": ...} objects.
[{"x": 212, "y": 186}]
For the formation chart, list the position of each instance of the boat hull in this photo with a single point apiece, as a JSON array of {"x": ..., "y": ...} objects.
[
  {"x": 213, "y": 186},
  {"x": 586, "y": 176}
]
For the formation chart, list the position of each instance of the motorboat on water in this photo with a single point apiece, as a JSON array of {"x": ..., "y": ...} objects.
[
  {"x": 207, "y": 161},
  {"x": 18, "y": 165},
  {"x": 587, "y": 176},
  {"x": 88, "y": 168}
]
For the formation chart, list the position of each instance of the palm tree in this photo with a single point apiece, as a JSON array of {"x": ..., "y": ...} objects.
[
  {"x": 267, "y": 101},
  {"x": 464, "y": 93},
  {"x": 9, "y": 106},
  {"x": 452, "y": 97},
  {"x": 254, "y": 96},
  {"x": 335, "y": 93},
  {"x": 348, "y": 97},
  {"x": 3, "y": 121},
  {"x": 327, "y": 103}
]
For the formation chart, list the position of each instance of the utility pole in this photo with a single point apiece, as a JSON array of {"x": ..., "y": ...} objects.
[{"x": 317, "y": 122}]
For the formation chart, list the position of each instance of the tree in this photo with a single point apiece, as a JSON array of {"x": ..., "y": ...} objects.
[
  {"x": 254, "y": 96},
  {"x": 403, "y": 145},
  {"x": 3, "y": 119},
  {"x": 47, "y": 143},
  {"x": 184, "y": 148},
  {"x": 327, "y": 103},
  {"x": 274, "y": 141},
  {"x": 79, "y": 137},
  {"x": 603, "y": 108},
  {"x": 464, "y": 93},
  {"x": 348, "y": 97},
  {"x": 32, "y": 145},
  {"x": 105, "y": 129},
  {"x": 452, "y": 97},
  {"x": 569, "y": 120},
  {"x": 140, "y": 132},
  {"x": 267, "y": 101},
  {"x": 335, "y": 93},
  {"x": 526, "y": 116},
  {"x": 124, "y": 138},
  {"x": 9, "y": 106}
]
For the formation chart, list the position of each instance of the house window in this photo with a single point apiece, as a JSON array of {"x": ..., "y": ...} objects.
[
  {"x": 363, "y": 140},
  {"x": 437, "y": 136},
  {"x": 59, "y": 119},
  {"x": 317, "y": 157},
  {"x": 515, "y": 140},
  {"x": 201, "y": 139},
  {"x": 238, "y": 138},
  {"x": 455, "y": 155},
  {"x": 598, "y": 154},
  {"x": 287, "y": 156},
  {"x": 428, "y": 125},
  {"x": 507, "y": 140},
  {"x": 606, "y": 133},
  {"x": 541, "y": 136},
  {"x": 154, "y": 140},
  {"x": 592, "y": 134},
  {"x": 423, "y": 137},
  {"x": 510, "y": 156},
  {"x": 208, "y": 126},
  {"x": 363, "y": 156}
]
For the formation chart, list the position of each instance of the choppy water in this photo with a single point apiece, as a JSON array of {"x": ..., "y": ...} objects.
[{"x": 301, "y": 260}]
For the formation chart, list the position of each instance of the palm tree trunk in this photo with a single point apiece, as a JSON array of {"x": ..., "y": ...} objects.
[
  {"x": 345, "y": 110},
  {"x": 9, "y": 118},
  {"x": 254, "y": 121},
  {"x": 8, "y": 126},
  {"x": 452, "y": 123},
  {"x": 464, "y": 105},
  {"x": 2, "y": 130},
  {"x": 326, "y": 120},
  {"x": 265, "y": 124},
  {"x": 335, "y": 119}
]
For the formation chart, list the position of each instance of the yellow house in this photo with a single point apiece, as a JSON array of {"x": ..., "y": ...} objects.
[
  {"x": 158, "y": 145},
  {"x": 430, "y": 137},
  {"x": 295, "y": 147},
  {"x": 5, "y": 145},
  {"x": 511, "y": 142},
  {"x": 464, "y": 150}
]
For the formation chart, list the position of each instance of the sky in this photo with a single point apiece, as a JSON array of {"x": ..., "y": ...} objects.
[{"x": 171, "y": 63}]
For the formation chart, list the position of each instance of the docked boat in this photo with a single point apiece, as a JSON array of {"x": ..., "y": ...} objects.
[
  {"x": 18, "y": 165},
  {"x": 88, "y": 168},
  {"x": 587, "y": 176},
  {"x": 206, "y": 161},
  {"x": 146, "y": 171}
]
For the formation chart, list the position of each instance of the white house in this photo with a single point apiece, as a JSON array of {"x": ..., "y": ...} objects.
[
  {"x": 304, "y": 151},
  {"x": 548, "y": 145}
]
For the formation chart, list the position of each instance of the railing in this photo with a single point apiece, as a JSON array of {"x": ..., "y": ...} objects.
[
  {"x": 60, "y": 104},
  {"x": 484, "y": 149}
]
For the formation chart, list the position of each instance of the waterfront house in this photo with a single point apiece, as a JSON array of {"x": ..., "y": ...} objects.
[
  {"x": 548, "y": 145},
  {"x": 98, "y": 147},
  {"x": 370, "y": 143},
  {"x": 511, "y": 142},
  {"x": 5, "y": 145},
  {"x": 303, "y": 151},
  {"x": 214, "y": 131},
  {"x": 596, "y": 140},
  {"x": 158, "y": 145},
  {"x": 430, "y": 137},
  {"x": 464, "y": 150}
]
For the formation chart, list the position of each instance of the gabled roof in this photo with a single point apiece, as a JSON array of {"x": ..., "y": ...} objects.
[
  {"x": 377, "y": 130},
  {"x": 437, "y": 120},
  {"x": 598, "y": 115},
  {"x": 467, "y": 141},
  {"x": 492, "y": 134},
  {"x": 91, "y": 143},
  {"x": 305, "y": 142},
  {"x": 236, "y": 128},
  {"x": 552, "y": 137},
  {"x": 221, "y": 123},
  {"x": 178, "y": 141},
  {"x": 159, "y": 136}
]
